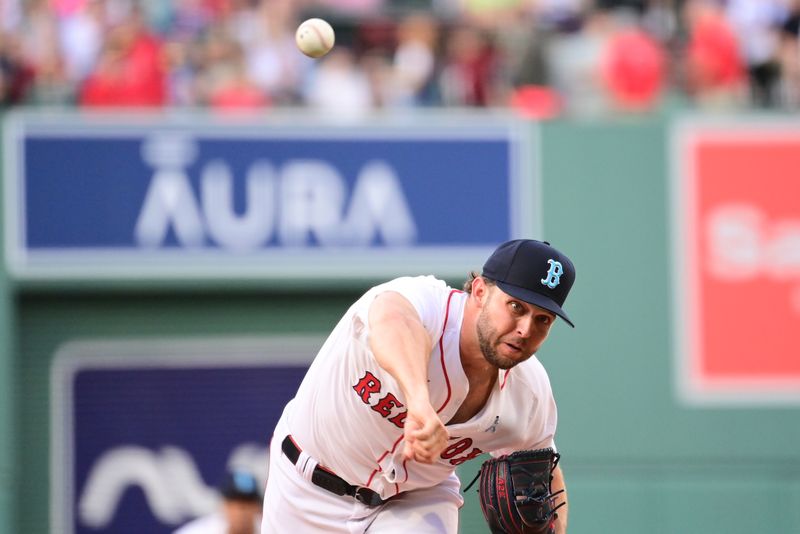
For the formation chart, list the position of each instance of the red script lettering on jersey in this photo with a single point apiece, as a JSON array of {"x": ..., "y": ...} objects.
[{"x": 369, "y": 385}]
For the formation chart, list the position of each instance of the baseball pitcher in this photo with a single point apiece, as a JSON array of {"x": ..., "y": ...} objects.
[{"x": 416, "y": 379}]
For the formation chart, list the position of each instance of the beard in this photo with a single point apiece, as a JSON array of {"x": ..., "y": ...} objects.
[{"x": 487, "y": 340}]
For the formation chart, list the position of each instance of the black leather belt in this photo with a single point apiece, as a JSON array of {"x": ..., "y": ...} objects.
[{"x": 330, "y": 481}]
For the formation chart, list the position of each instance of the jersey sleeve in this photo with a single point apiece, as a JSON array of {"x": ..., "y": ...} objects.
[{"x": 426, "y": 294}]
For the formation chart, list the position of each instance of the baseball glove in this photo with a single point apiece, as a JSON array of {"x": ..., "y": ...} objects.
[{"x": 515, "y": 493}]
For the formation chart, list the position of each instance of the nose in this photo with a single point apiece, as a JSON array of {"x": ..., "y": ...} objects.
[{"x": 524, "y": 325}]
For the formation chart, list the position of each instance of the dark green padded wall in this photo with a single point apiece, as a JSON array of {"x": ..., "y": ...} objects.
[{"x": 636, "y": 460}]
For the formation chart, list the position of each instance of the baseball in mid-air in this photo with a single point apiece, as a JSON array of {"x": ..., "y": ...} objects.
[{"x": 315, "y": 37}]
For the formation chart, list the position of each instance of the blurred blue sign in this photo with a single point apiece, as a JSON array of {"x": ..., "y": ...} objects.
[
  {"x": 99, "y": 196},
  {"x": 143, "y": 432}
]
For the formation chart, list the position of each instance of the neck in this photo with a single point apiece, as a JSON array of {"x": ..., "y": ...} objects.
[
  {"x": 480, "y": 374},
  {"x": 472, "y": 360},
  {"x": 476, "y": 366}
]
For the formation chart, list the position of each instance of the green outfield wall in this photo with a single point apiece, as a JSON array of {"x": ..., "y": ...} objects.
[{"x": 637, "y": 459}]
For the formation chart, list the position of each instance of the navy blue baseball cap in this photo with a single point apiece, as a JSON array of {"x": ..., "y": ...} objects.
[
  {"x": 534, "y": 272},
  {"x": 240, "y": 485}
]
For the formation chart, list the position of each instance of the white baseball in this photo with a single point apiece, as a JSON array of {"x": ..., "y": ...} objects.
[{"x": 315, "y": 37}]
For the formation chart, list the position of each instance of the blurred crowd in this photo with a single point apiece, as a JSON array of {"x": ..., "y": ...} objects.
[{"x": 544, "y": 58}]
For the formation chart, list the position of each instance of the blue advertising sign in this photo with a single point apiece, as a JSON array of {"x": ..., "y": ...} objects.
[
  {"x": 144, "y": 431},
  {"x": 113, "y": 196}
]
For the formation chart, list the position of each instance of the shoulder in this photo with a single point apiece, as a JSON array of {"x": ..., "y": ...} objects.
[
  {"x": 534, "y": 408},
  {"x": 531, "y": 375},
  {"x": 419, "y": 290},
  {"x": 428, "y": 295},
  {"x": 413, "y": 283}
]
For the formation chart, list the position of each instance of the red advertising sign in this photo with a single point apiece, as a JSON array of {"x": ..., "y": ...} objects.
[{"x": 737, "y": 275}]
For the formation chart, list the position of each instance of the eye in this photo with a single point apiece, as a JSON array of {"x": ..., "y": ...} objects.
[
  {"x": 516, "y": 307},
  {"x": 545, "y": 319}
]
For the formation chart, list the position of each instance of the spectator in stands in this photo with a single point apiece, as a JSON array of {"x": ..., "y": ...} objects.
[
  {"x": 757, "y": 23},
  {"x": 10, "y": 15},
  {"x": 561, "y": 15},
  {"x": 81, "y": 34},
  {"x": 789, "y": 57},
  {"x": 633, "y": 69},
  {"x": 412, "y": 82},
  {"x": 130, "y": 72},
  {"x": 182, "y": 61},
  {"x": 523, "y": 47},
  {"x": 273, "y": 63},
  {"x": 353, "y": 8},
  {"x": 16, "y": 76},
  {"x": 50, "y": 85},
  {"x": 189, "y": 19},
  {"x": 41, "y": 51},
  {"x": 714, "y": 69},
  {"x": 548, "y": 53},
  {"x": 233, "y": 89},
  {"x": 470, "y": 69},
  {"x": 240, "y": 512},
  {"x": 222, "y": 80},
  {"x": 573, "y": 62},
  {"x": 339, "y": 87}
]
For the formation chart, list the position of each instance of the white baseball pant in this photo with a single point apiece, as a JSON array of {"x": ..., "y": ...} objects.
[{"x": 293, "y": 505}]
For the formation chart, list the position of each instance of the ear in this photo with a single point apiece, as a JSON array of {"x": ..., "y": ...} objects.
[{"x": 480, "y": 290}]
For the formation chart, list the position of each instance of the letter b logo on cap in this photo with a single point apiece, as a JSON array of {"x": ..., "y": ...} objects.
[{"x": 554, "y": 274}]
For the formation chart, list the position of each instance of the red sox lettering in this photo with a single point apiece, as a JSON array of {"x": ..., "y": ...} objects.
[
  {"x": 457, "y": 448},
  {"x": 369, "y": 384}
]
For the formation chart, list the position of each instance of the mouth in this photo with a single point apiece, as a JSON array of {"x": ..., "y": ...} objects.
[{"x": 513, "y": 347}]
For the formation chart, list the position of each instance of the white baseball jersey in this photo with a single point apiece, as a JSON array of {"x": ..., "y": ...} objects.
[{"x": 349, "y": 413}]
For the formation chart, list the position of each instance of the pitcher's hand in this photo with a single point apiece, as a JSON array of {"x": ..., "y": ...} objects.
[{"x": 424, "y": 433}]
